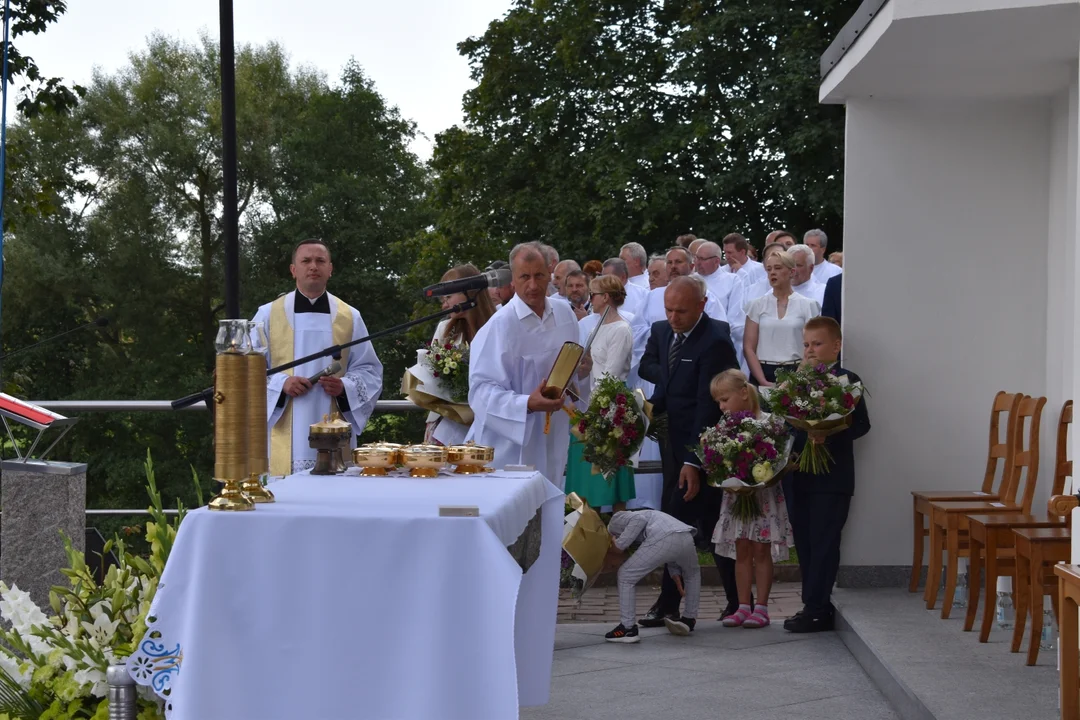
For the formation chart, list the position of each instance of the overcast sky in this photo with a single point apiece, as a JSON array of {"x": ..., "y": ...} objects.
[{"x": 409, "y": 47}]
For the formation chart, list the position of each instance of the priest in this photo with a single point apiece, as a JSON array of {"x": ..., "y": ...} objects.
[
  {"x": 511, "y": 358},
  {"x": 300, "y": 323}
]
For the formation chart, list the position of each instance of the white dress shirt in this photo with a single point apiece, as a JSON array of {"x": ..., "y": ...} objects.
[
  {"x": 825, "y": 270},
  {"x": 641, "y": 281},
  {"x": 780, "y": 340},
  {"x": 811, "y": 289}
]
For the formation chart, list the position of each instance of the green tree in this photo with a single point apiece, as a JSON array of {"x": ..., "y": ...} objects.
[
  {"x": 593, "y": 124},
  {"x": 32, "y": 17}
]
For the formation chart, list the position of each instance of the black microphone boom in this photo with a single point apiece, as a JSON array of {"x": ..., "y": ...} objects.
[
  {"x": 334, "y": 351},
  {"x": 492, "y": 278},
  {"x": 100, "y": 322}
]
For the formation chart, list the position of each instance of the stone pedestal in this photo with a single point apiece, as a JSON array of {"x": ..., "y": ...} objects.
[{"x": 39, "y": 500}]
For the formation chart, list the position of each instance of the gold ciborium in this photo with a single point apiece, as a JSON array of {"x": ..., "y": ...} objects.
[
  {"x": 470, "y": 458},
  {"x": 424, "y": 460},
  {"x": 258, "y": 453},
  {"x": 376, "y": 460},
  {"x": 231, "y": 415},
  {"x": 329, "y": 437}
]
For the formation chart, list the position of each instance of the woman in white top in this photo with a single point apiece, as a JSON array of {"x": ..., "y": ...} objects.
[
  {"x": 611, "y": 352},
  {"x": 457, "y": 330},
  {"x": 773, "y": 338}
]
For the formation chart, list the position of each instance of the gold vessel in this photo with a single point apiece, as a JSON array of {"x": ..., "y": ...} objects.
[
  {"x": 470, "y": 458},
  {"x": 258, "y": 453},
  {"x": 330, "y": 437},
  {"x": 231, "y": 415},
  {"x": 424, "y": 460},
  {"x": 376, "y": 460}
]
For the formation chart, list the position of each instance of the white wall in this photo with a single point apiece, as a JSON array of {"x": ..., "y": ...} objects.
[
  {"x": 947, "y": 214},
  {"x": 1060, "y": 288}
]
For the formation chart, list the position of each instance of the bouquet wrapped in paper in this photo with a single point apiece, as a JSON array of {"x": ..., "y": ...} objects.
[
  {"x": 743, "y": 454},
  {"x": 813, "y": 399},
  {"x": 586, "y": 541},
  {"x": 439, "y": 381},
  {"x": 613, "y": 427}
]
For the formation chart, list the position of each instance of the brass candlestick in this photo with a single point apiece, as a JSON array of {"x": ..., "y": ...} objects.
[
  {"x": 231, "y": 415},
  {"x": 258, "y": 454}
]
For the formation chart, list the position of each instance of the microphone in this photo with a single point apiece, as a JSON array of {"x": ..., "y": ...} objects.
[
  {"x": 99, "y": 322},
  {"x": 332, "y": 369},
  {"x": 492, "y": 278}
]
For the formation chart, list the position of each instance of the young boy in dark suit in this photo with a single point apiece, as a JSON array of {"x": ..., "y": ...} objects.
[{"x": 821, "y": 502}]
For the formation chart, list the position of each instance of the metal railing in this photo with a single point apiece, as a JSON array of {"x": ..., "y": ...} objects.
[{"x": 397, "y": 407}]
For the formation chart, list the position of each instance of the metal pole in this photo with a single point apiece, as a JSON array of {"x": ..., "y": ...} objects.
[
  {"x": 228, "y": 158},
  {"x": 3, "y": 133}
]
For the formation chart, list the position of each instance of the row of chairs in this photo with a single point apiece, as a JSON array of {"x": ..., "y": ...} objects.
[{"x": 995, "y": 530}]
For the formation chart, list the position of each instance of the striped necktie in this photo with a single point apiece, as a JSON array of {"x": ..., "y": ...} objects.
[{"x": 676, "y": 348}]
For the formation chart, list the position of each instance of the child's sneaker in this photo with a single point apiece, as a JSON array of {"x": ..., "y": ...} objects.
[
  {"x": 759, "y": 618},
  {"x": 621, "y": 635},
  {"x": 682, "y": 626},
  {"x": 738, "y": 618}
]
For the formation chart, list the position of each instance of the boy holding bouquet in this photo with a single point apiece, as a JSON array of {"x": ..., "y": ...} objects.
[
  {"x": 821, "y": 501},
  {"x": 664, "y": 541}
]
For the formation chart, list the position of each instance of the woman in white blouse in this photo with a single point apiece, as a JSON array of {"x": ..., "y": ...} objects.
[
  {"x": 773, "y": 338},
  {"x": 611, "y": 352}
]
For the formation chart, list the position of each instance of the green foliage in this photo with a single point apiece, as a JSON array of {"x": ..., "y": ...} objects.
[
  {"x": 44, "y": 94},
  {"x": 593, "y": 124}
]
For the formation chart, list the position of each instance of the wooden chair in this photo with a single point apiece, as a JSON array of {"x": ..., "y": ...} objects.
[
  {"x": 992, "y": 534},
  {"x": 948, "y": 519},
  {"x": 1004, "y": 404},
  {"x": 1038, "y": 550}
]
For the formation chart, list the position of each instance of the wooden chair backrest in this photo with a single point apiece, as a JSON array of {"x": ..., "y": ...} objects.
[
  {"x": 1025, "y": 457},
  {"x": 1006, "y": 404},
  {"x": 1062, "y": 463},
  {"x": 1062, "y": 506}
]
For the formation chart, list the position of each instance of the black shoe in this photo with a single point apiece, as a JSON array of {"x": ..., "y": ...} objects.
[
  {"x": 793, "y": 619},
  {"x": 680, "y": 626},
  {"x": 805, "y": 623},
  {"x": 654, "y": 618},
  {"x": 621, "y": 635}
]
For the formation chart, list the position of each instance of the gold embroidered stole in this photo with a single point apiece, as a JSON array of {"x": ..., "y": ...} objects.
[{"x": 283, "y": 350}]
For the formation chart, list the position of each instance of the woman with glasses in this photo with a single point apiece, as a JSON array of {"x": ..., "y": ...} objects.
[{"x": 611, "y": 352}]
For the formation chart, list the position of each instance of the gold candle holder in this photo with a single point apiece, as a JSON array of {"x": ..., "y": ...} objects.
[
  {"x": 231, "y": 416},
  {"x": 258, "y": 453}
]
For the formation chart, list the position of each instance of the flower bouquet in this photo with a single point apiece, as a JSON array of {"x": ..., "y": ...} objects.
[
  {"x": 613, "y": 427},
  {"x": 743, "y": 454},
  {"x": 439, "y": 381},
  {"x": 813, "y": 399}
]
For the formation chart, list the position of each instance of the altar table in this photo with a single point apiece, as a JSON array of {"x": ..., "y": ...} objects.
[{"x": 350, "y": 597}]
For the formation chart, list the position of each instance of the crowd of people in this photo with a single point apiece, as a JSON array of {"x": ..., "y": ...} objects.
[{"x": 698, "y": 329}]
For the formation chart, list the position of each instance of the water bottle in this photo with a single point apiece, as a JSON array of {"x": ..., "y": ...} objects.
[
  {"x": 960, "y": 596},
  {"x": 1004, "y": 610},
  {"x": 1049, "y": 629}
]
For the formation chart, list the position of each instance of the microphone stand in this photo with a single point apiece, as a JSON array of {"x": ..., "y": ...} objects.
[{"x": 334, "y": 351}]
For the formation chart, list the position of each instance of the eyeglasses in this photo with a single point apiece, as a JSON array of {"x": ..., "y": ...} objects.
[
  {"x": 701, "y": 259},
  {"x": 592, "y": 295}
]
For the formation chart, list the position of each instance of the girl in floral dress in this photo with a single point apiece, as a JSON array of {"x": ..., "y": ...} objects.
[{"x": 755, "y": 544}]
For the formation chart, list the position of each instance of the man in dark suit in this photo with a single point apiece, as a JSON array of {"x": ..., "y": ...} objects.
[
  {"x": 681, "y": 358},
  {"x": 830, "y": 307},
  {"x": 821, "y": 502}
]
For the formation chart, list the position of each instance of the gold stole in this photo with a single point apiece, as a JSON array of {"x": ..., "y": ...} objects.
[{"x": 283, "y": 350}]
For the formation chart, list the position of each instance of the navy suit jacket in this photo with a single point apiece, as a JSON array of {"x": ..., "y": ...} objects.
[
  {"x": 683, "y": 393},
  {"x": 830, "y": 306},
  {"x": 841, "y": 476}
]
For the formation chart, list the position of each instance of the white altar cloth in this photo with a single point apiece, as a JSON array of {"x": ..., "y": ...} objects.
[{"x": 351, "y": 598}]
